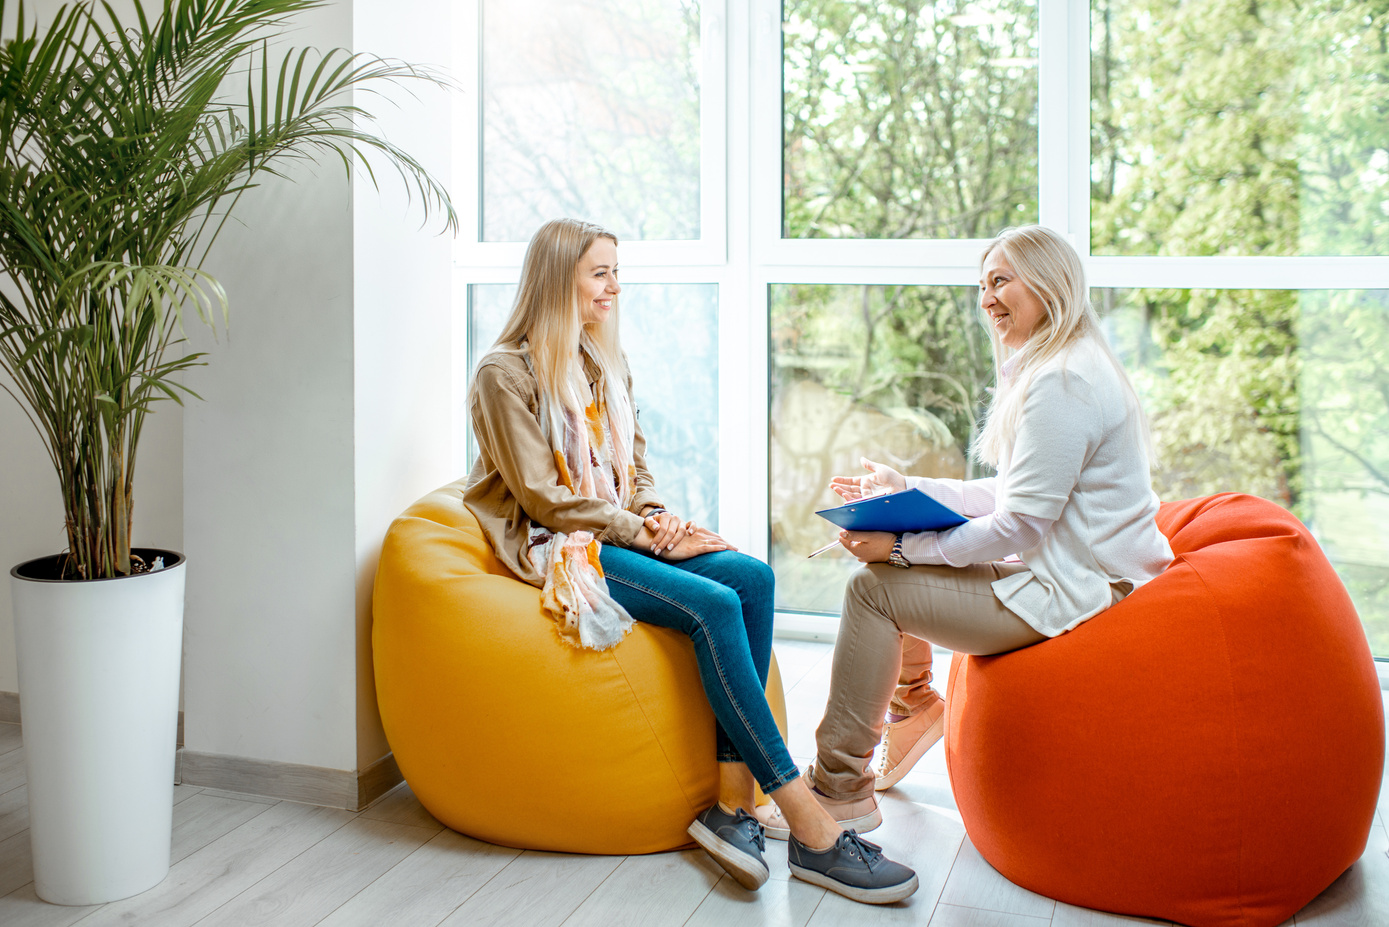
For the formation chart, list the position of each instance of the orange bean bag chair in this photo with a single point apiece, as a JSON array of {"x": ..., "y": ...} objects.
[
  {"x": 510, "y": 735},
  {"x": 1208, "y": 751}
]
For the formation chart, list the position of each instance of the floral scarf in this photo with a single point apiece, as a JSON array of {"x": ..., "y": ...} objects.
[{"x": 593, "y": 458}]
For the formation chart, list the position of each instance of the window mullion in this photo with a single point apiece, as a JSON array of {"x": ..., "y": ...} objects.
[
  {"x": 1053, "y": 105},
  {"x": 1077, "y": 121}
]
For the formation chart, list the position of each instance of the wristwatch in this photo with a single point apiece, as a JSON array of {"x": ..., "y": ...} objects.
[{"x": 895, "y": 558}]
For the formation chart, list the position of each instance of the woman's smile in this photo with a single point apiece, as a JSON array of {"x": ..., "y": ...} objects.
[
  {"x": 596, "y": 276},
  {"x": 1014, "y": 310}
]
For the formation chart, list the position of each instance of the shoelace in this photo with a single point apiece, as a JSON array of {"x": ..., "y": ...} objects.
[
  {"x": 756, "y": 833},
  {"x": 856, "y": 846},
  {"x": 880, "y": 765}
]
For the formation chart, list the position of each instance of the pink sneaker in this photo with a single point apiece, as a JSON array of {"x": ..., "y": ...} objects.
[
  {"x": 773, "y": 824},
  {"x": 906, "y": 741}
]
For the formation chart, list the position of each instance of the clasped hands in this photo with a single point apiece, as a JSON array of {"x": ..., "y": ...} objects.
[
  {"x": 670, "y": 537},
  {"x": 868, "y": 546}
]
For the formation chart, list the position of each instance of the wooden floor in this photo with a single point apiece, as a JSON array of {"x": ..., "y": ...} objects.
[{"x": 239, "y": 860}]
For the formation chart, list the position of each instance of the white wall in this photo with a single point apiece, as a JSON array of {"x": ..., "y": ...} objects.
[
  {"x": 269, "y": 664},
  {"x": 323, "y": 421},
  {"x": 403, "y": 287}
]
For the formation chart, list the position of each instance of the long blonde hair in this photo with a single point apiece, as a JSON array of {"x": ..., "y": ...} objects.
[
  {"x": 546, "y": 324},
  {"x": 1050, "y": 268}
]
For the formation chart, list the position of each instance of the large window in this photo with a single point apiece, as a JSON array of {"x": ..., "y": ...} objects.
[{"x": 803, "y": 188}]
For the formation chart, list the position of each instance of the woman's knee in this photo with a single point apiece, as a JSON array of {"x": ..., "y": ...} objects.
[
  {"x": 861, "y": 584},
  {"x": 757, "y": 585},
  {"x": 863, "y": 598},
  {"x": 761, "y": 575},
  {"x": 736, "y": 568},
  {"x": 759, "y": 581},
  {"x": 721, "y": 609}
]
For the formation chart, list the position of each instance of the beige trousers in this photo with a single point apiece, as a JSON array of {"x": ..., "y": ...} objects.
[{"x": 883, "y": 654}]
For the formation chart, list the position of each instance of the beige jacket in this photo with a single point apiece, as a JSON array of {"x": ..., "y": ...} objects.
[{"x": 514, "y": 481}]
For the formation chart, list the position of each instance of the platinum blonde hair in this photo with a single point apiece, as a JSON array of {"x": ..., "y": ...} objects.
[
  {"x": 1049, "y": 267},
  {"x": 547, "y": 320}
]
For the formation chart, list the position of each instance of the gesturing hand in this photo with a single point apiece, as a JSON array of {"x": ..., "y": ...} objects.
[
  {"x": 881, "y": 479},
  {"x": 867, "y": 546}
]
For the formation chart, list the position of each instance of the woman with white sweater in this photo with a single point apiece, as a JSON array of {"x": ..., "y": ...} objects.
[{"x": 1072, "y": 498}]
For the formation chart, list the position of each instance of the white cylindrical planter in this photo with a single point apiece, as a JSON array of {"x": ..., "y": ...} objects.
[{"x": 98, "y": 698}]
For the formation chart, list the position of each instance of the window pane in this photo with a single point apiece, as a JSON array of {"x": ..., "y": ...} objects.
[
  {"x": 590, "y": 109},
  {"x": 1280, "y": 393},
  {"x": 1227, "y": 127},
  {"x": 909, "y": 120},
  {"x": 893, "y": 373},
  {"x": 670, "y": 333}
]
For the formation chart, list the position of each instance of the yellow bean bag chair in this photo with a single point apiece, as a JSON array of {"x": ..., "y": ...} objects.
[{"x": 510, "y": 735}]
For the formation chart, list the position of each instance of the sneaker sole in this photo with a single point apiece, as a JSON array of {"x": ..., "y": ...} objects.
[
  {"x": 925, "y": 742},
  {"x": 777, "y": 833},
  {"x": 885, "y": 895},
  {"x": 864, "y": 823},
  {"x": 749, "y": 871}
]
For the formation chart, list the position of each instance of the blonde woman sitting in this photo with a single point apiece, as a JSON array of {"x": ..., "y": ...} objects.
[
  {"x": 563, "y": 495},
  {"x": 1072, "y": 498}
]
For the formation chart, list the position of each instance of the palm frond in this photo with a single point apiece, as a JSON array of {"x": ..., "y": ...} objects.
[{"x": 120, "y": 161}]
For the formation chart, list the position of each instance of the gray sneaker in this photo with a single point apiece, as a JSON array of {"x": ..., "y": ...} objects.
[
  {"x": 854, "y": 868},
  {"x": 735, "y": 841}
]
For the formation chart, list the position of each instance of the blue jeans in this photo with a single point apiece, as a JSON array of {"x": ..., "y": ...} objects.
[{"x": 723, "y": 603}]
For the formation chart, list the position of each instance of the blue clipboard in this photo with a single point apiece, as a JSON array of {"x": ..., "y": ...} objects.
[{"x": 908, "y": 510}]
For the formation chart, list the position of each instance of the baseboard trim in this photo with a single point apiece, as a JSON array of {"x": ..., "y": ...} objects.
[
  {"x": 315, "y": 785},
  {"x": 377, "y": 779}
]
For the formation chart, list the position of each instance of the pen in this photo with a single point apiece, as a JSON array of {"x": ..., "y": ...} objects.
[{"x": 834, "y": 543}]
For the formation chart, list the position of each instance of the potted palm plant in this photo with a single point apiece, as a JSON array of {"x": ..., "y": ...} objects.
[{"x": 126, "y": 147}]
